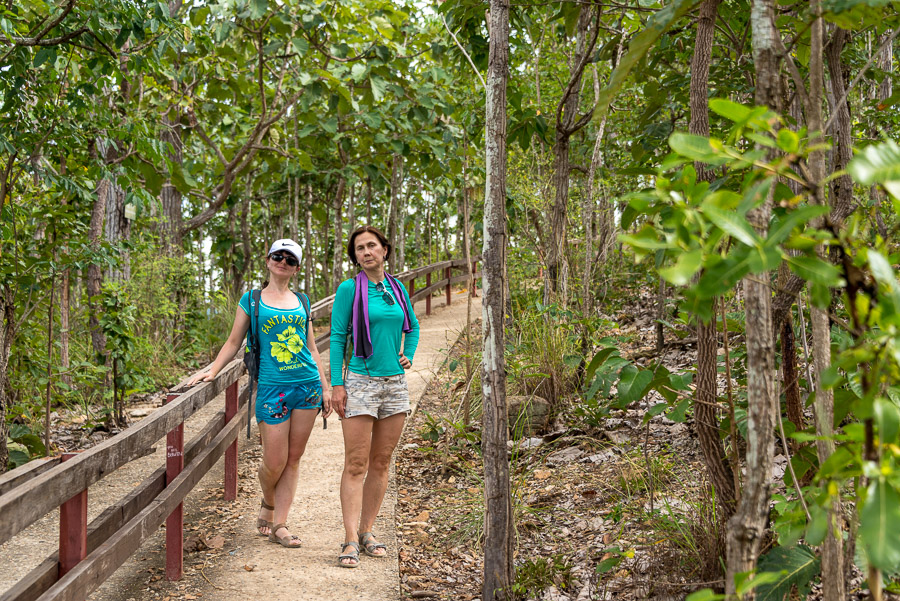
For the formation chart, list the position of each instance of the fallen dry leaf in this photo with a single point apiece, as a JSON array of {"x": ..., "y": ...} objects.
[
  {"x": 422, "y": 517},
  {"x": 216, "y": 542},
  {"x": 542, "y": 474}
]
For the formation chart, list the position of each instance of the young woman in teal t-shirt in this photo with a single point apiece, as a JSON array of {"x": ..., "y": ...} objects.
[
  {"x": 373, "y": 400},
  {"x": 290, "y": 392}
]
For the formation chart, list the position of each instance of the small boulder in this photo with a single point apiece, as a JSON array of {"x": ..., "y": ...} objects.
[
  {"x": 564, "y": 456},
  {"x": 528, "y": 415}
]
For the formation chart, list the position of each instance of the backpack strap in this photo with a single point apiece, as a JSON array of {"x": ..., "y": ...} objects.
[
  {"x": 255, "y": 296},
  {"x": 304, "y": 302}
]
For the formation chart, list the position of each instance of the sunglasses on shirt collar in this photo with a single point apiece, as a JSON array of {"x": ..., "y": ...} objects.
[
  {"x": 289, "y": 259},
  {"x": 379, "y": 287}
]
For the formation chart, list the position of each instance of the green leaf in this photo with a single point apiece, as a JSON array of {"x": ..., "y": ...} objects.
[
  {"x": 18, "y": 457},
  {"x": 632, "y": 384},
  {"x": 706, "y": 594},
  {"x": 43, "y": 55},
  {"x": 685, "y": 267},
  {"x": 730, "y": 110},
  {"x": 887, "y": 416},
  {"x": 640, "y": 45},
  {"x": 601, "y": 356},
  {"x": 695, "y": 148},
  {"x": 876, "y": 164},
  {"x": 379, "y": 86},
  {"x": 794, "y": 566},
  {"x": 733, "y": 224},
  {"x": 782, "y": 227},
  {"x": 879, "y": 521},
  {"x": 816, "y": 270},
  {"x": 258, "y": 8},
  {"x": 882, "y": 269},
  {"x": 301, "y": 46},
  {"x": 304, "y": 161},
  {"x": 788, "y": 140}
]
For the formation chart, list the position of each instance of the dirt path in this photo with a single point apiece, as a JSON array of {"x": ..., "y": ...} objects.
[{"x": 224, "y": 559}]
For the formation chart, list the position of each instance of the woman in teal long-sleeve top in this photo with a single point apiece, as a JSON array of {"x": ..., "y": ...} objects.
[{"x": 373, "y": 399}]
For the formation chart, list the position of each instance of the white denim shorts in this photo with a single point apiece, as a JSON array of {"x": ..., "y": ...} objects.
[{"x": 379, "y": 397}]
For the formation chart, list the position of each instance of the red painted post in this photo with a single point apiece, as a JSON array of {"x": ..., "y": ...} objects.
[
  {"x": 447, "y": 273},
  {"x": 474, "y": 291},
  {"x": 72, "y": 529},
  {"x": 428, "y": 296},
  {"x": 175, "y": 521},
  {"x": 231, "y": 453}
]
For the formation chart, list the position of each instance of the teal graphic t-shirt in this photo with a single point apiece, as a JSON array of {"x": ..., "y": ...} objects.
[{"x": 284, "y": 355}]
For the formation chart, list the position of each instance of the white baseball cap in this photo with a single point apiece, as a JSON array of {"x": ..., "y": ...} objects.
[{"x": 286, "y": 245}]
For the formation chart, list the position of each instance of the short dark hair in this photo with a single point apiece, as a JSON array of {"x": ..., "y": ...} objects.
[{"x": 351, "y": 242}]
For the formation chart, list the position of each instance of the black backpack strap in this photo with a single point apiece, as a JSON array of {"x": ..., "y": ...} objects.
[
  {"x": 255, "y": 296},
  {"x": 304, "y": 301}
]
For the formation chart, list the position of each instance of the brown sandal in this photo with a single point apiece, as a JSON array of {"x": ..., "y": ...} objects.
[
  {"x": 261, "y": 523},
  {"x": 284, "y": 541}
]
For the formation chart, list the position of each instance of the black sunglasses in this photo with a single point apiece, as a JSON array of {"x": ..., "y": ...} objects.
[
  {"x": 289, "y": 259},
  {"x": 379, "y": 287}
]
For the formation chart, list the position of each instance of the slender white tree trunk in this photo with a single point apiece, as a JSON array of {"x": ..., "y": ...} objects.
[{"x": 499, "y": 531}]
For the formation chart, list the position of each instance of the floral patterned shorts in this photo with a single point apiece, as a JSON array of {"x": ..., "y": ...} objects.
[{"x": 275, "y": 403}]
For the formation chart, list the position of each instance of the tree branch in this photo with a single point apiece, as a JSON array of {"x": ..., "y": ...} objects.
[
  {"x": 840, "y": 103},
  {"x": 463, "y": 50}
]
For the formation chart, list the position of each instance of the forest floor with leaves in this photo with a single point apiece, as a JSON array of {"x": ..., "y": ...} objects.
[{"x": 614, "y": 507}]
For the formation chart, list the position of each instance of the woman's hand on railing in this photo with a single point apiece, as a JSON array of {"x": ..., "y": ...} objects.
[{"x": 205, "y": 376}]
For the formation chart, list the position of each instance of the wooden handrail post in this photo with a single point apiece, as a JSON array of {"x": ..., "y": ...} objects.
[
  {"x": 72, "y": 529},
  {"x": 412, "y": 288},
  {"x": 447, "y": 274},
  {"x": 474, "y": 291},
  {"x": 428, "y": 296},
  {"x": 175, "y": 521},
  {"x": 231, "y": 453}
]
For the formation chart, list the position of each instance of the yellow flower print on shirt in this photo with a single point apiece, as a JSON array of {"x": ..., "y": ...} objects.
[{"x": 289, "y": 344}]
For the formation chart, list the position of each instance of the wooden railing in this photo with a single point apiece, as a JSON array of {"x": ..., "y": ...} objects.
[{"x": 90, "y": 552}]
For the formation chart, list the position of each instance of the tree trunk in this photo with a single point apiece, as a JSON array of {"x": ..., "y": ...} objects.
[
  {"x": 169, "y": 197},
  {"x": 337, "y": 266},
  {"x": 307, "y": 243},
  {"x": 556, "y": 287},
  {"x": 499, "y": 531},
  {"x": 589, "y": 212},
  {"x": 832, "y": 554},
  {"x": 94, "y": 272},
  {"x": 116, "y": 229},
  {"x": 746, "y": 528},
  {"x": 841, "y": 187},
  {"x": 368, "y": 201},
  {"x": 7, "y": 334},
  {"x": 400, "y": 241},
  {"x": 706, "y": 393},
  {"x": 351, "y": 210},
  {"x": 396, "y": 181},
  {"x": 789, "y": 370}
]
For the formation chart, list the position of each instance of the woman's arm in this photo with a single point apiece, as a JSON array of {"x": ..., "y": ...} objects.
[
  {"x": 340, "y": 320},
  {"x": 326, "y": 389},
  {"x": 229, "y": 349},
  {"x": 410, "y": 339}
]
